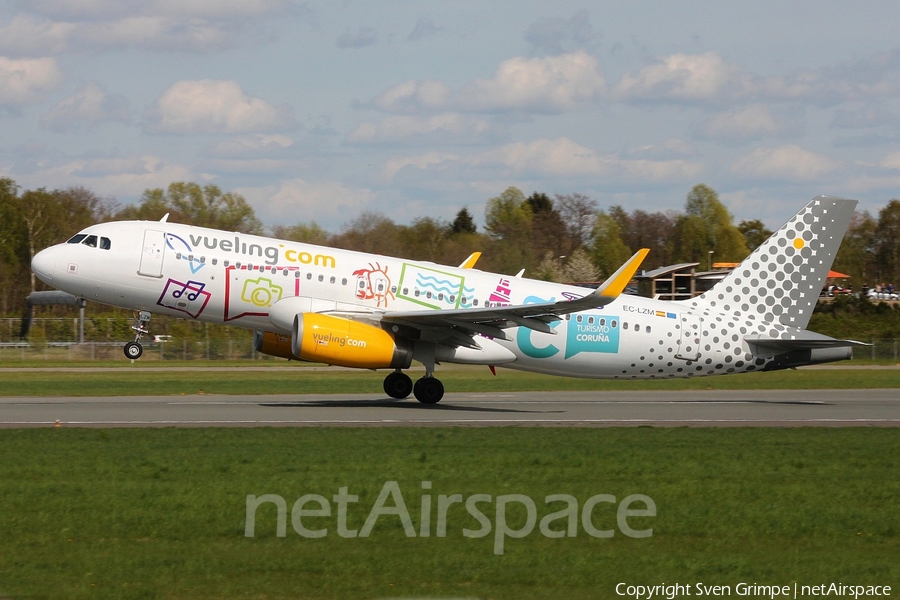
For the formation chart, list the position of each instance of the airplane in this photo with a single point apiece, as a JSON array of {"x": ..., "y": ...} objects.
[{"x": 320, "y": 304}]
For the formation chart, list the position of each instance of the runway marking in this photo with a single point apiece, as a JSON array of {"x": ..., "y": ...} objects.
[
  {"x": 319, "y": 403},
  {"x": 441, "y": 421}
]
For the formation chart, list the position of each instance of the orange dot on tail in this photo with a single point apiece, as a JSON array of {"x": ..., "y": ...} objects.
[{"x": 798, "y": 243}]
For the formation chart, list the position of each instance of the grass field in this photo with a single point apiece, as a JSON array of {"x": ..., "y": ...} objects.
[
  {"x": 173, "y": 381},
  {"x": 161, "y": 513}
]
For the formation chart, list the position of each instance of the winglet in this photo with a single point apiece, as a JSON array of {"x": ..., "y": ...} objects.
[
  {"x": 616, "y": 282},
  {"x": 470, "y": 262},
  {"x": 165, "y": 218}
]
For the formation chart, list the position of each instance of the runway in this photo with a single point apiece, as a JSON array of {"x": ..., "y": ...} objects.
[{"x": 707, "y": 408}]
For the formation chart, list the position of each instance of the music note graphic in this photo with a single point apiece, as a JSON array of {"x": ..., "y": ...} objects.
[{"x": 192, "y": 303}]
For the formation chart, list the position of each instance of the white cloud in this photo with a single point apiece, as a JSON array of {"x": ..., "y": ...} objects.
[
  {"x": 90, "y": 105},
  {"x": 547, "y": 85},
  {"x": 55, "y": 27},
  {"x": 252, "y": 145},
  {"x": 23, "y": 80},
  {"x": 443, "y": 128},
  {"x": 215, "y": 106},
  {"x": 553, "y": 84},
  {"x": 561, "y": 157},
  {"x": 297, "y": 200},
  {"x": 422, "y": 162},
  {"x": 122, "y": 177},
  {"x": 891, "y": 161},
  {"x": 790, "y": 162},
  {"x": 683, "y": 77},
  {"x": 552, "y": 35},
  {"x": 413, "y": 95},
  {"x": 753, "y": 122},
  {"x": 425, "y": 28},
  {"x": 364, "y": 36}
]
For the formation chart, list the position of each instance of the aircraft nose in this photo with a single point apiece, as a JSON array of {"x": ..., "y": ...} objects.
[{"x": 43, "y": 264}]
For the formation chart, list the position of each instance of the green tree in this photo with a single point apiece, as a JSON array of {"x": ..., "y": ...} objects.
[
  {"x": 608, "y": 251},
  {"x": 508, "y": 219},
  {"x": 707, "y": 225},
  {"x": 191, "y": 203},
  {"x": 548, "y": 232},
  {"x": 508, "y": 216},
  {"x": 755, "y": 233},
  {"x": 308, "y": 233},
  {"x": 856, "y": 256},
  {"x": 887, "y": 242},
  {"x": 463, "y": 223}
]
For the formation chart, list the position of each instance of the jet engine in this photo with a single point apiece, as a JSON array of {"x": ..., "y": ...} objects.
[{"x": 337, "y": 341}]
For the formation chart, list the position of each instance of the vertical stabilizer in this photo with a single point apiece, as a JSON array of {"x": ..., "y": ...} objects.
[{"x": 781, "y": 280}]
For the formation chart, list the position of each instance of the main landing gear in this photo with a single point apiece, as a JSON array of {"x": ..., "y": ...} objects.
[
  {"x": 427, "y": 390},
  {"x": 134, "y": 350}
]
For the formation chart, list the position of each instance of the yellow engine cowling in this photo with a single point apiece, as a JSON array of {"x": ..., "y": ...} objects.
[
  {"x": 337, "y": 341},
  {"x": 273, "y": 344}
]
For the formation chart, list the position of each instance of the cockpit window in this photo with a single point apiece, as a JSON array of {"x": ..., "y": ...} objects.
[
  {"x": 76, "y": 239},
  {"x": 105, "y": 244},
  {"x": 91, "y": 241}
]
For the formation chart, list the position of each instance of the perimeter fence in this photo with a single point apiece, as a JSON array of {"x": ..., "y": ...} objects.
[{"x": 55, "y": 339}]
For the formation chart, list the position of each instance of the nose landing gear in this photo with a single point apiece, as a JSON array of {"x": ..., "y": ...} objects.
[{"x": 134, "y": 350}]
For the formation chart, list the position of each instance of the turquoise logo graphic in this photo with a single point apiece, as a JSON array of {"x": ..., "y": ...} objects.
[
  {"x": 523, "y": 338},
  {"x": 592, "y": 333}
]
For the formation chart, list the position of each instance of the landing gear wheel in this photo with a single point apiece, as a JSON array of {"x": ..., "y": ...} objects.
[
  {"x": 398, "y": 385},
  {"x": 133, "y": 350},
  {"x": 428, "y": 390}
]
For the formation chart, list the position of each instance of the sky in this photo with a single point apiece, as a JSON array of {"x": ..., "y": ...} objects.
[{"x": 319, "y": 111}]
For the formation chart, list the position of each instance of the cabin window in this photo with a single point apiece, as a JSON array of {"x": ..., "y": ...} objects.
[
  {"x": 190, "y": 257},
  {"x": 76, "y": 239},
  {"x": 590, "y": 320},
  {"x": 441, "y": 296},
  {"x": 602, "y": 322},
  {"x": 178, "y": 256},
  {"x": 428, "y": 295},
  {"x": 452, "y": 298},
  {"x": 296, "y": 274},
  {"x": 417, "y": 293},
  {"x": 406, "y": 291},
  {"x": 614, "y": 323},
  {"x": 237, "y": 265},
  {"x": 274, "y": 270},
  {"x": 648, "y": 329},
  {"x": 344, "y": 281},
  {"x": 361, "y": 284},
  {"x": 624, "y": 325},
  {"x": 579, "y": 318},
  {"x": 393, "y": 289},
  {"x": 105, "y": 244},
  {"x": 91, "y": 241},
  {"x": 202, "y": 260},
  {"x": 321, "y": 278},
  {"x": 475, "y": 302},
  {"x": 284, "y": 272},
  {"x": 332, "y": 279},
  {"x": 215, "y": 261}
]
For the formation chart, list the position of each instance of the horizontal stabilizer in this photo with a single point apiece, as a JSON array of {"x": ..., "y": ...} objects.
[{"x": 803, "y": 340}]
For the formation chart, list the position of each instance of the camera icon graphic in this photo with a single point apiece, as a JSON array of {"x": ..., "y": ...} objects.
[{"x": 261, "y": 292}]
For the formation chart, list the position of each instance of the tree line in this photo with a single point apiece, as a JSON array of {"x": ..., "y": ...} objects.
[{"x": 564, "y": 238}]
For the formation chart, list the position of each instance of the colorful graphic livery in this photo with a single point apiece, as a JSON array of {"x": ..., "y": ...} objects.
[{"x": 359, "y": 310}]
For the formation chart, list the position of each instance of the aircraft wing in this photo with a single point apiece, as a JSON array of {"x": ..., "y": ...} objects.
[{"x": 457, "y": 327}]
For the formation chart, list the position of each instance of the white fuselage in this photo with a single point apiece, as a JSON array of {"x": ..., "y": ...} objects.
[{"x": 235, "y": 279}]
